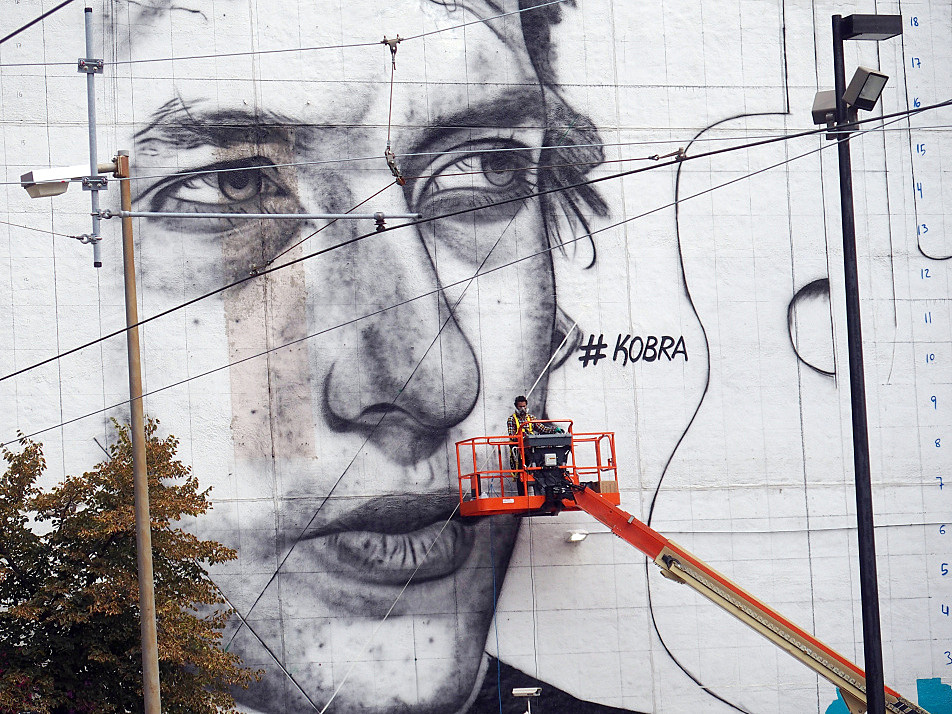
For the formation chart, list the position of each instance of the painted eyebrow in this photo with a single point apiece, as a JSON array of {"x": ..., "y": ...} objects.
[
  {"x": 512, "y": 108},
  {"x": 516, "y": 108},
  {"x": 177, "y": 125}
]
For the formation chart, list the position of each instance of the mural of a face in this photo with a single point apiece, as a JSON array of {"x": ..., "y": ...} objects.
[{"x": 340, "y": 457}]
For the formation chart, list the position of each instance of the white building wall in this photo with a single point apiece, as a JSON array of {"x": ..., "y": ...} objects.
[{"x": 331, "y": 451}]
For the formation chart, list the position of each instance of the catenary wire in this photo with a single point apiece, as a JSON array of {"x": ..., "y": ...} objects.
[
  {"x": 373, "y": 634},
  {"x": 450, "y": 316},
  {"x": 369, "y": 435},
  {"x": 380, "y": 624},
  {"x": 440, "y": 533},
  {"x": 429, "y": 219},
  {"x": 452, "y": 312},
  {"x": 38, "y": 230},
  {"x": 234, "y": 609},
  {"x": 508, "y": 149},
  {"x": 32, "y": 22},
  {"x": 282, "y": 50},
  {"x": 377, "y": 312}
]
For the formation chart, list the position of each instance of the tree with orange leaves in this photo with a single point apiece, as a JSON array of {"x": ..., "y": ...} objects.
[{"x": 69, "y": 617}]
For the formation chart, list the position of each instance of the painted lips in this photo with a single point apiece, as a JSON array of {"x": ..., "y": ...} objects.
[{"x": 393, "y": 538}]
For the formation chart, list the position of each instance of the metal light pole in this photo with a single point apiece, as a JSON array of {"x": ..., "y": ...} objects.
[{"x": 859, "y": 27}]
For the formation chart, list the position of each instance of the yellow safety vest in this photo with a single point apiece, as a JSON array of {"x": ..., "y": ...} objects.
[{"x": 528, "y": 429}]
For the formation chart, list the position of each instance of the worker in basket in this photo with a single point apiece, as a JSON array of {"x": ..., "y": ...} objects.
[{"x": 522, "y": 422}]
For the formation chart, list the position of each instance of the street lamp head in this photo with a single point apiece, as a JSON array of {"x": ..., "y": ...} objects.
[
  {"x": 865, "y": 88},
  {"x": 871, "y": 27},
  {"x": 863, "y": 92},
  {"x": 43, "y": 183}
]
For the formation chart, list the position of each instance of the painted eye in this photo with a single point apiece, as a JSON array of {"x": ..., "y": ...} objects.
[
  {"x": 489, "y": 172},
  {"x": 240, "y": 185},
  {"x": 251, "y": 185},
  {"x": 236, "y": 185},
  {"x": 503, "y": 169}
]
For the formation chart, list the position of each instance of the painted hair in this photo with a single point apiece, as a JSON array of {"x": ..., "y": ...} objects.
[{"x": 574, "y": 146}]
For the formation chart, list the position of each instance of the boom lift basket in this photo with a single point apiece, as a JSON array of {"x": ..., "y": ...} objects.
[
  {"x": 549, "y": 471},
  {"x": 511, "y": 474}
]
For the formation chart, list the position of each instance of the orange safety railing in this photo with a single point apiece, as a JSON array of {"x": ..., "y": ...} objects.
[{"x": 494, "y": 477}]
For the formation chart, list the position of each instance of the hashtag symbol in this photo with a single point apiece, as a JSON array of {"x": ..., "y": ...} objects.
[{"x": 593, "y": 351}]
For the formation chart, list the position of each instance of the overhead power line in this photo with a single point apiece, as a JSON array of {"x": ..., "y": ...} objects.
[
  {"x": 32, "y": 22},
  {"x": 281, "y": 50},
  {"x": 390, "y": 307},
  {"x": 242, "y": 617},
  {"x": 430, "y": 219}
]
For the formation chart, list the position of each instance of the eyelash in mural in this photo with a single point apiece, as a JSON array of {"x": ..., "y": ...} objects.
[
  {"x": 478, "y": 178},
  {"x": 249, "y": 185}
]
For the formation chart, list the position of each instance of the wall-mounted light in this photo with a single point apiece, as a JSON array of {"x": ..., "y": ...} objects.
[
  {"x": 527, "y": 693},
  {"x": 576, "y": 536}
]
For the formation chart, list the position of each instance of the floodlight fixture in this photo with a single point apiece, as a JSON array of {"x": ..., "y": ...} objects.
[
  {"x": 865, "y": 88},
  {"x": 576, "y": 536},
  {"x": 824, "y": 107},
  {"x": 527, "y": 693}
]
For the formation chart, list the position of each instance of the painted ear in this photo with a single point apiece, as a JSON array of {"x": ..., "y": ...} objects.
[
  {"x": 566, "y": 338},
  {"x": 810, "y": 326}
]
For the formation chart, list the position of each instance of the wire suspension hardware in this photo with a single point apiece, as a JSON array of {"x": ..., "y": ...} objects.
[
  {"x": 678, "y": 154},
  {"x": 388, "y": 154},
  {"x": 588, "y": 182},
  {"x": 376, "y": 216},
  {"x": 392, "y": 44}
]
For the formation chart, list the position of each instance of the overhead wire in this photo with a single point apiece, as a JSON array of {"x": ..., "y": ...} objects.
[
  {"x": 34, "y": 21},
  {"x": 450, "y": 316},
  {"x": 474, "y": 277},
  {"x": 376, "y": 629},
  {"x": 485, "y": 19},
  {"x": 429, "y": 219},
  {"x": 282, "y": 50},
  {"x": 588, "y": 235},
  {"x": 747, "y": 138},
  {"x": 38, "y": 230},
  {"x": 380, "y": 624},
  {"x": 236, "y": 612}
]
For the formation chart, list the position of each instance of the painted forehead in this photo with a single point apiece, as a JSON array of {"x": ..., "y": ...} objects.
[{"x": 478, "y": 8}]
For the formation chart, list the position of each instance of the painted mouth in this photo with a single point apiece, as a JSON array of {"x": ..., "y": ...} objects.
[{"x": 393, "y": 538}]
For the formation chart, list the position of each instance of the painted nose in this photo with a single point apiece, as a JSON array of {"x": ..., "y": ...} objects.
[{"x": 414, "y": 374}]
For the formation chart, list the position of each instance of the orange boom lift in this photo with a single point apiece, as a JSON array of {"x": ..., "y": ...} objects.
[{"x": 536, "y": 474}]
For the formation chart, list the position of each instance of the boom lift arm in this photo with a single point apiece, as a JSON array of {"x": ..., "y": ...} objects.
[
  {"x": 546, "y": 471},
  {"x": 681, "y": 566}
]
